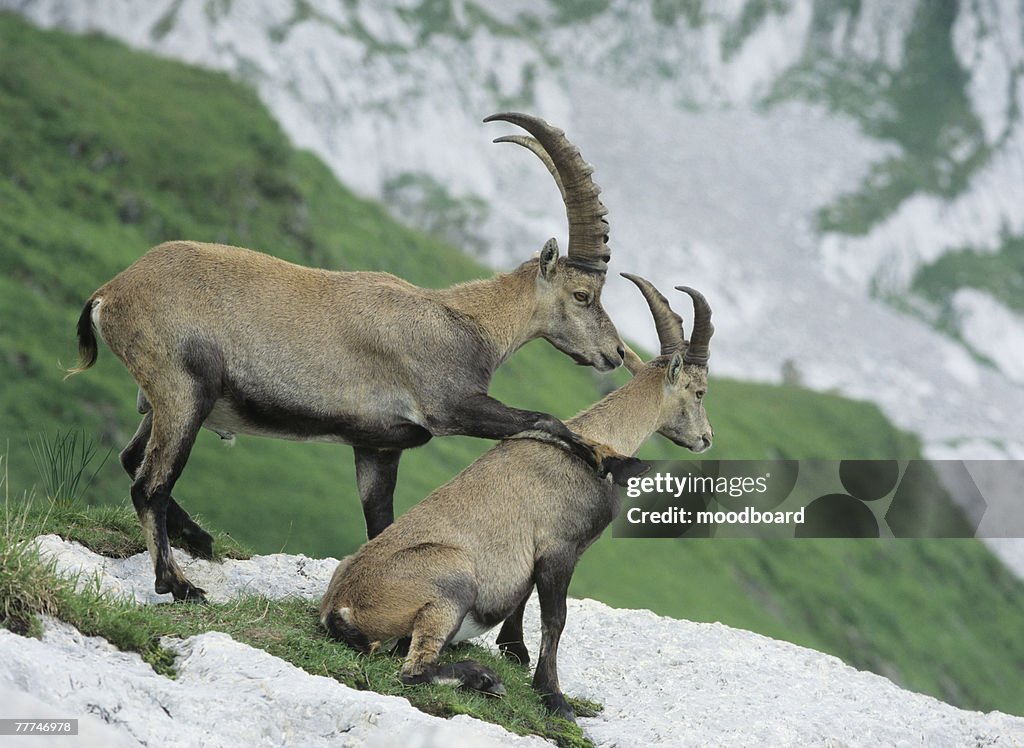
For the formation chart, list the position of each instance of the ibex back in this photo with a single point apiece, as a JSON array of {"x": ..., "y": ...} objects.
[{"x": 244, "y": 343}]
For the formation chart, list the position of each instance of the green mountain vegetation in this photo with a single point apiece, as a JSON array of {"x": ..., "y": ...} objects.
[
  {"x": 105, "y": 152},
  {"x": 1000, "y": 273},
  {"x": 921, "y": 107}
]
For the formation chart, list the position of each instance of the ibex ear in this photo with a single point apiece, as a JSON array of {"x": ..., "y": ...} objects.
[
  {"x": 675, "y": 368},
  {"x": 548, "y": 258}
]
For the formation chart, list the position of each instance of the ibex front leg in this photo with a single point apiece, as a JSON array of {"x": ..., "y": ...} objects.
[
  {"x": 510, "y": 638},
  {"x": 553, "y": 573},
  {"x": 483, "y": 416},
  {"x": 376, "y": 475}
]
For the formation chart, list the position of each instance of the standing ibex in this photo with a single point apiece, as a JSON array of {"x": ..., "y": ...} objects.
[
  {"x": 241, "y": 342},
  {"x": 467, "y": 557}
]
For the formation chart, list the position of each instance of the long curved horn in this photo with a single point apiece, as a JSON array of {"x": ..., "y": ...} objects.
[
  {"x": 668, "y": 324},
  {"x": 697, "y": 351},
  {"x": 534, "y": 145},
  {"x": 588, "y": 228}
]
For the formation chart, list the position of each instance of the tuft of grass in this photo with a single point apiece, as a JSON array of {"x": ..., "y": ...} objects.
[
  {"x": 63, "y": 461},
  {"x": 25, "y": 588}
]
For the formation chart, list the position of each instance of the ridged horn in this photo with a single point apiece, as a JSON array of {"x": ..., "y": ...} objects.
[
  {"x": 668, "y": 324},
  {"x": 534, "y": 145},
  {"x": 698, "y": 350},
  {"x": 588, "y": 228}
]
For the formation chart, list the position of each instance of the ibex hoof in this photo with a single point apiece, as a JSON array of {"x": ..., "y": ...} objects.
[
  {"x": 198, "y": 542},
  {"x": 476, "y": 677},
  {"x": 555, "y": 702},
  {"x": 183, "y": 591},
  {"x": 621, "y": 469}
]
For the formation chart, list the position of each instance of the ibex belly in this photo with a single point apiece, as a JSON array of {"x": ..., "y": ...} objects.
[{"x": 392, "y": 426}]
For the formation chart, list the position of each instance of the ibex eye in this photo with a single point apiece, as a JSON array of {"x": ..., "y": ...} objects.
[{"x": 581, "y": 297}]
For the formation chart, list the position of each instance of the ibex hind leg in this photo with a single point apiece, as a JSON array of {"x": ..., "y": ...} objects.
[
  {"x": 435, "y": 625},
  {"x": 172, "y": 433},
  {"x": 180, "y": 526},
  {"x": 340, "y": 628}
]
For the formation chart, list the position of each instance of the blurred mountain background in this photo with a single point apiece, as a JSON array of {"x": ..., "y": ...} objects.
[{"x": 843, "y": 179}]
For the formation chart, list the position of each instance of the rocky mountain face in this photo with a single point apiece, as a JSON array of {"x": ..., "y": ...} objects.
[
  {"x": 662, "y": 682},
  {"x": 808, "y": 164}
]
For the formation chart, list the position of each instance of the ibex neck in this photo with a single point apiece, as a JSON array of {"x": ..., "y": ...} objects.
[
  {"x": 503, "y": 308},
  {"x": 627, "y": 417}
]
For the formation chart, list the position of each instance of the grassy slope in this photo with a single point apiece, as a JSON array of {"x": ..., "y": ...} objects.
[
  {"x": 105, "y": 152},
  {"x": 285, "y": 628}
]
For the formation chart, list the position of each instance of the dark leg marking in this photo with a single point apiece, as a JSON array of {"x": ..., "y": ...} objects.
[
  {"x": 552, "y": 578},
  {"x": 510, "y": 638},
  {"x": 191, "y": 537},
  {"x": 468, "y": 674},
  {"x": 173, "y": 431},
  {"x": 180, "y": 526},
  {"x": 482, "y": 416},
  {"x": 376, "y": 476},
  {"x": 131, "y": 456}
]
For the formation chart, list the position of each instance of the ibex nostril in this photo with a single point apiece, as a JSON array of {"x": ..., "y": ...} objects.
[{"x": 621, "y": 351}]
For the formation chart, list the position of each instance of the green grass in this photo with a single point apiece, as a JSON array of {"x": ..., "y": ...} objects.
[{"x": 63, "y": 461}]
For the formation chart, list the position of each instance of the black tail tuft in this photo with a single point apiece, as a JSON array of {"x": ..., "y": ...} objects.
[
  {"x": 87, "y": 348},
  {"x": 345, "y": 632}
]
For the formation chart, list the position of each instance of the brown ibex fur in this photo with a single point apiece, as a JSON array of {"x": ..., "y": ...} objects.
[
  {"x": 467, "y": 557},
  {"x": 241, "y": 342}
]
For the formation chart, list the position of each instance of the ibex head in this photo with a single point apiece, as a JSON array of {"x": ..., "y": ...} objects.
[
  {"x": 569, "y": 309},
  {"x": 682, "y": 417}
]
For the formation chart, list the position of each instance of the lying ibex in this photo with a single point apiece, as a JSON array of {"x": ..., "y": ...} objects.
[
  {"x": 241, "y": 342},
  {"x": 467, "y": 557}
]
